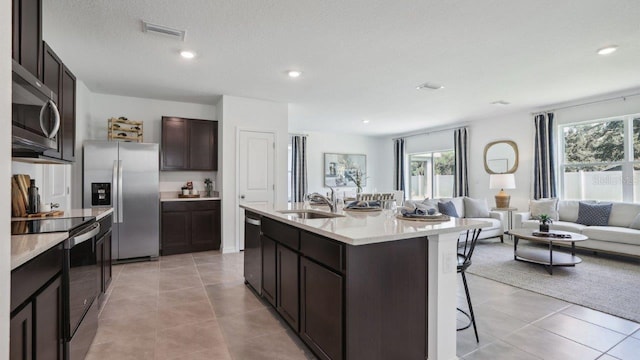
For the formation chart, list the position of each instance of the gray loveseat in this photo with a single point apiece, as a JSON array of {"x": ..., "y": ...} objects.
[{"x": 618, "y": 237}]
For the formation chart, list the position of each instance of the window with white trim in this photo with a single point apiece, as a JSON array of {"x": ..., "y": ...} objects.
[
  {"x": 600, "y": 159},
  {"x": 431, "y": 175}
]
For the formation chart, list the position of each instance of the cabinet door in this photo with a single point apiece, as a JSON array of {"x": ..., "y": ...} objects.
[
  {"x": 21, "y": 335},
  {"x": 321, "y": 304},
  {"x": 202, "y": 145},
  {"x": 203, "y": 230},
  {"x": 48, "y": 324},
  {"x": 100, "y": 265},
  {"x": 175, "y": 144},
  {"x": 67, "y": 101},
  {"x": 107, "y": 269},
  {"x": 15, "y": 39},
  {"x": 176, "y": 232},
  {"x": 288, "y": 285},
  {"x": 30, "y": 37},
  {"x": 269, "y": 270}
]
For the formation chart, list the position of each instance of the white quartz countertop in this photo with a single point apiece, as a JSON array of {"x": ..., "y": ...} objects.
[
  {"x": 173, "y": 196},
  {"x": 27, "y": 247},
  {"x": 361, "y": 228}
]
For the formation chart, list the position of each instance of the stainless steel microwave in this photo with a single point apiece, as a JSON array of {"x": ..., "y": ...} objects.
[{"x": 35, "y": 116}]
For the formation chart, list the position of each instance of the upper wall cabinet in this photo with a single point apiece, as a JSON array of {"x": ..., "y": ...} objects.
[
  {"x": 27, "y": 35},
  {"x": 189, "y": 144}
]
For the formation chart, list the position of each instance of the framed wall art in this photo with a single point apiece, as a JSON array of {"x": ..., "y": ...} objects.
[{"x": 345, "y": 170}]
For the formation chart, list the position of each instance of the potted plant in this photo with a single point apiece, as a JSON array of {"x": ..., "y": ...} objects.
[{"x": 545, "y": 220}]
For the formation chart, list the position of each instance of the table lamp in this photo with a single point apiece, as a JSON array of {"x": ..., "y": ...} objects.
[{"x": 502, "y": 181}]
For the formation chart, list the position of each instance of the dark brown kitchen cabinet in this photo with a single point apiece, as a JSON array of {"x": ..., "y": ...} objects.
[
  {"x": 104, "y": 256},
  {"x": 189, "y": 144},
  {"x": 269, "y": 277},
  {"x": 27, "y": 35},
  {"x": 21, "y": 334},
  {"x": 48, "y": 324},
  {"x": 51, "y": 76},
  {"x": 288, "y": 286},
  {"x": 321, "y": 319},
  {"x": 188, "y": 226}
]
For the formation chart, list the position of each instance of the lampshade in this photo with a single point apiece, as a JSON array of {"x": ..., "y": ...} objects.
[{"x": 502, "y": 181}]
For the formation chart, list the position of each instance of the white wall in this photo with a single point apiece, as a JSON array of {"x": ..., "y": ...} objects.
[
  {"x": 95, "y": 109},
  {"x": 5, "y": 171},
  {"x": 379, "y": 166},
  {"x": 250, "y": 114}
]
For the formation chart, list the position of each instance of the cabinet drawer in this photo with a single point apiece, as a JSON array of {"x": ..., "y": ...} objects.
[
  {"x": 282, "y": 233},
  {"x": 105, "y": 224},
  {"x": 323, "y": 250},
  {"x": 30, "y": 277},
  {"x": 190, "y": 205}
]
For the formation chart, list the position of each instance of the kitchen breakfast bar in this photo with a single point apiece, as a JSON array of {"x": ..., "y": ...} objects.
[{"x": 357, "y": 284}]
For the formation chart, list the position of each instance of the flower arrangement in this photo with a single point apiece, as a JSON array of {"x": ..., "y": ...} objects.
[{"x": 357, "y": 178}]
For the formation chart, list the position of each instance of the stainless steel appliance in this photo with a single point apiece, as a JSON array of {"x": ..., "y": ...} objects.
[
  {"x": 252, "y": 251},
  {"x": 125, "y": 176},
  {"x": 35, "y": 116}
]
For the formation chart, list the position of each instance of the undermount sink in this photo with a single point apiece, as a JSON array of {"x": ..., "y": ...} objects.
[{"x": 309, "y": 214}]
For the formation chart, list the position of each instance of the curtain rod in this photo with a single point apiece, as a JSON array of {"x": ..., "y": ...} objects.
[
  {"x": 623, "y": 97},
  {"x": 422, "y": 132}
]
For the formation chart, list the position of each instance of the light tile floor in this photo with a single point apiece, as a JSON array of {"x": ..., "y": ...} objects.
[{"x": 196, "y": 306}]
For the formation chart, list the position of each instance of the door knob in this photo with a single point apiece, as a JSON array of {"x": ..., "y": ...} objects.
[{"x": 241, "y": 196}]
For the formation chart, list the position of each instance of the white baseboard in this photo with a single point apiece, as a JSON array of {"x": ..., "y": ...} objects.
[{"x": 228, "y": 250}]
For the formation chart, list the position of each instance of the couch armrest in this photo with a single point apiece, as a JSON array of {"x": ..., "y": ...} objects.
[
  {"x": 498, "y": 215},
  {"x": 519, "y": 217}
]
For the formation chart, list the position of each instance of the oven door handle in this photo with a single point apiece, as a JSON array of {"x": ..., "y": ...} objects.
[{"x": 93, "y": 231}]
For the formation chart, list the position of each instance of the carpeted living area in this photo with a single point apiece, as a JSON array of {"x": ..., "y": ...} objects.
[{"x": 601, "y": 283}]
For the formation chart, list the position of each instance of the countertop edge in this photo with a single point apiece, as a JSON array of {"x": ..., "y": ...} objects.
[{"x": 42, "y": 243}]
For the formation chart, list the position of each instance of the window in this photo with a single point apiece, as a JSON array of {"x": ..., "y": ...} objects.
[
  {"x": 431, "y": 175},
  {"x": 600, "y": 160}
]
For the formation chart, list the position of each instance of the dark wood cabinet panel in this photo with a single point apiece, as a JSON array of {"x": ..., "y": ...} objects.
[
  {"x": 67, "y": 101},
  {"x": 27, "y": 43},
  {"x": 323, "y": 250},
  {"x": 282, "y": 233},
  {"x": 321, "y": 309},
  {"x": 21, "y": 335},
  {"x": 100, "y": 266},
  {"x": 269, "y": 270},
  {"x": 48, "y": 324},
  {"x": 15, "y": 21},
  {"x": 288, "y": 295},
  {"x": 189, "y": 226},
  {"x": 189, "y": 144},
  {"x": 107, "y": 262},
  {"x": 174, "y": 145}
]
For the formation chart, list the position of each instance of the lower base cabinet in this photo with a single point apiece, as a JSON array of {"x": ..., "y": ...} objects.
[
  {"x": 288, "y": 304},
  {"x": 189, "y": 226},
  {"x": 21, "y": 338},
  {"x": 269, "y": 270}
]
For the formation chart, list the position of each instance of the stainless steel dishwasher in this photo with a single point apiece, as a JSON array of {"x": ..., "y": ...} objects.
[{"x": 252, "y": 251}]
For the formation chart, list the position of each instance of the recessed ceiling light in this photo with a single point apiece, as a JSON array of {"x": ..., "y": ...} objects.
[
  {"x": 187, "y": 54},
  {"x": 500, "y": 102},
  {"x": 608, "y": 50},
  {"x": 294, "y": 73},
  {"x": 430, "y": 86},
  {"x": 365, "y": 121}
]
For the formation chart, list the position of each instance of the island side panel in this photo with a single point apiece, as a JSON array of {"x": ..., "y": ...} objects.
[{"x": 386, "y": 300}]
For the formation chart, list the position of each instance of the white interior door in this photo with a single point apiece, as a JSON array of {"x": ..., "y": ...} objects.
[
  {"x": 255, "y": 172},
  {"x": 56, "y": 185}
]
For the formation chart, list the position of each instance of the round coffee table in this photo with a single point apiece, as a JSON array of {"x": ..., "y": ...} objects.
[{"x": 548, "y": 259}]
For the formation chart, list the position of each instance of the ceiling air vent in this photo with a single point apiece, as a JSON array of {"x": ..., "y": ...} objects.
[
  {"x": 429, "y": 86},
  {"x": 164, "y": 30}
]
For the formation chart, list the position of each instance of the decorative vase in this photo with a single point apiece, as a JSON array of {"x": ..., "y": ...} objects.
[{"x": 544, "y": 227}]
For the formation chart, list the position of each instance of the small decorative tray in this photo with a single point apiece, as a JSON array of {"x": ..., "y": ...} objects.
[
  {"x": 431, "y": 218},
  {"x": 551, "y": 235}
]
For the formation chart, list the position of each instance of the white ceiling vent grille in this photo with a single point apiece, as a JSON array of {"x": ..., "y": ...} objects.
[
  {"x": 164, "y": 30},
  {"x": 429, "y": 86}
]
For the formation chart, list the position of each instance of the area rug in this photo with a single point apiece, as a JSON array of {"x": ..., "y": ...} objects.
[{"x": 600, "y": 283}]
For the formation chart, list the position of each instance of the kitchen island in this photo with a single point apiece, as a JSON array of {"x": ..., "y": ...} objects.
[{"x": 358, "y": 285}]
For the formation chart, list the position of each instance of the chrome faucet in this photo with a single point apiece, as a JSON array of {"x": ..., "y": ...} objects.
[{"x": 332, "y": 201}]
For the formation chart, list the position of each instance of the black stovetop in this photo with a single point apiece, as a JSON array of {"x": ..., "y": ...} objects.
[{"x": 39, "y": 226}]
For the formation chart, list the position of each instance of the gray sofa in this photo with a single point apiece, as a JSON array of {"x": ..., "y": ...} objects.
[
  {"x": 618, "y": 237},
  {"x": 496, "y": 229}
]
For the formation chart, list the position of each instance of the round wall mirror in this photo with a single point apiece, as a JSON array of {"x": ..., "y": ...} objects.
[{"x": 501, "y": 157}]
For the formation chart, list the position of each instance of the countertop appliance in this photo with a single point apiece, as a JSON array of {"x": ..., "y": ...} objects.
[
  {"x": 252, "y": 251},
  {"x": 35, "y": 117},
  {"x": 124, "y": 175}
]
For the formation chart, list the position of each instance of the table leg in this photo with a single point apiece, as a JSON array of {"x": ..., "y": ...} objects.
[
  {"x": 573, "y": 248},
  {"x": 550, "y": 257},
  {"x": 515, "y": 247}
]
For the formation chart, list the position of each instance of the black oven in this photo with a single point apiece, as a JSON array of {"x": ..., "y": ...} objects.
[{"x": 35, "y": 117}]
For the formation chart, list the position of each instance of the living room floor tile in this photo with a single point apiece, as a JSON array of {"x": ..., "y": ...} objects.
[
  {"x": 496, "y": 323},
  {"x": 537, "y": 306},
  {"x": 547, "y": 345},
  {"x": 500, "y": 350},
  {"x": 629, "y": 349},
  {"x": 466, "y": 341},
  {"x": 605, "y": 320},
  {"x": 580, "y": 331},
  {"x": 636, "y": 334}
]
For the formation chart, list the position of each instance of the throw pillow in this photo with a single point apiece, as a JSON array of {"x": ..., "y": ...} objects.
[
  {"x": 635, "y": 224},
  {"x": 544, "y": 206},
  {"x": 475, "y": 208},
  {"x": 447, "y": 208},
  {"x": 594, "y": 214}
]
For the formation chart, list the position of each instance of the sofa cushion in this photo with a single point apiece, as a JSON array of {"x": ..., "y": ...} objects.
[
  {"x": 635, "y": 224},
  {"x": 544, "y": 206},
  {"x": 623, "y": 214},
  {"x": 568, "y": 209},
  {"x": 594, "y": 214},
  {"x": 448, "y": 208},
  {"x": 556, "y": 225},
  {"x": 475, "y": 208},
  {"x": 613, "y": 234}
]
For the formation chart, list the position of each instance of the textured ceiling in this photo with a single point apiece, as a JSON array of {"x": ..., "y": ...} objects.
[{"x": 361, "y": 59}]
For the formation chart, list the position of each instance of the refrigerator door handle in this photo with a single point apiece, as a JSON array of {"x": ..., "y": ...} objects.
[
  {"x": 120, "y": 191},
  {"x": 116, "y": 190}
]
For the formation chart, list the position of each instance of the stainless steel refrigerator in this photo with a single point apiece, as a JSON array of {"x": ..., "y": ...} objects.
[{"x": 125, "y": 176}]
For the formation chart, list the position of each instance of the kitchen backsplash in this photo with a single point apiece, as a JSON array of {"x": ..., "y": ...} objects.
[{"x": 175, "y": 180}]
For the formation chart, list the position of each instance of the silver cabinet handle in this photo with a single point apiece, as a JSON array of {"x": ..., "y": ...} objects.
[{"x": 252, "y": 221}]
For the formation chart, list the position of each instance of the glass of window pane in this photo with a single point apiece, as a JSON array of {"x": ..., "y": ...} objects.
[
  {"x": 636, "y": 139},
  {"x": 596, "y": 142},
  {"x": 593, "y": 182},
  {"x": 443, "y": 168}
]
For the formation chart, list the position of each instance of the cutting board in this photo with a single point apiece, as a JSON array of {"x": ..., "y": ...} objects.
[
  {"x": 47, "y": 214},
  {"x": 18, "y": 206}
]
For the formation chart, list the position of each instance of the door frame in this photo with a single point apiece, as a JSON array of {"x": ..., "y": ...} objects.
[{"x": 239, "y": 211}]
